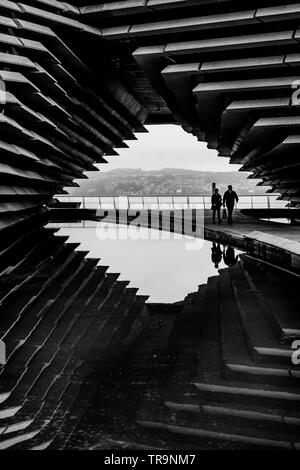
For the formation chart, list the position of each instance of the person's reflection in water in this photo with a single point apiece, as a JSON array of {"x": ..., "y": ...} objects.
[
  {"x": 216, "y": 254},
  {"x": 229, "y": 256}
]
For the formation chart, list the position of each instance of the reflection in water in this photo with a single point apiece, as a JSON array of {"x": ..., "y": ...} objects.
[
  {"x": 158, "y": 263},
  {"x": 229, "y": 256},
  {"x": 227, "y": 253},
  {"x": 216, "y": 254}
]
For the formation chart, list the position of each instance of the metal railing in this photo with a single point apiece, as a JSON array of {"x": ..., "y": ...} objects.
[{"x": 169, "y": 202}]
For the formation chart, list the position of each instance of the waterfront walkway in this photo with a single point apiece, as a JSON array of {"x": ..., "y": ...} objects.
[
  {"x": 244, "y": 226},
  {"x": 277, "y": 243}
]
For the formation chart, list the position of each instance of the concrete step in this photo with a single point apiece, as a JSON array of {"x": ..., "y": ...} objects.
[
  {"x": 209, "y": 351},
  {"x": 179, "y": 359},
  {"x": 137, "y": 376},
  {"x": 278, "y": 293},
  {"x": 237, "y": 415},
  {"x": 90, "y": 312},
  {"x": 61, "y": 365},
  {"x": 9, "y": 442},
  {"x": 99, "y": 334},
  {"x": 151, "y": 348},
  {"x": 47, "y": 428},
  {"x": 245, "y": 402},
  {"x": 183, "y": 342},
  {"x": 127, "y": 329},
  {"x": 43, "y": 326},
  {"x": 248, "y": 393},
  {"x": 259, "y": 335},
  {"x": 237, "y": 361},
  {"x": 205, "y": 436},
  {"x": 111, "y": 348},
  {"x": 47, "y": 409},
  {"x": 25, "y": 328},
  {"x": 82, "y": 351}
]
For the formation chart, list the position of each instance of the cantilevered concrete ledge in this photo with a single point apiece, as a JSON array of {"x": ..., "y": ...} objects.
[
  {"x": 275, "y": 248},
  {"x": 276, "y": 213}
]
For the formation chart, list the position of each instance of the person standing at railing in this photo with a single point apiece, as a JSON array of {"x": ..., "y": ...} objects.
[
  {"x": 216, "y": 204},
  {"x": 229, "y": 199}
]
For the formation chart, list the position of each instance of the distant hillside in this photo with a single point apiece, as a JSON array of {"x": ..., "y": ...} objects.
[{"x": 128, "y": 181}]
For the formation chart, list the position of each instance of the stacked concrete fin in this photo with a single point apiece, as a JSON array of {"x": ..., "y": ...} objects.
[
  {"x": 61, "y": 316},
  {"x": 57, "y": 117},
  {"x": 228, "y": 71}
]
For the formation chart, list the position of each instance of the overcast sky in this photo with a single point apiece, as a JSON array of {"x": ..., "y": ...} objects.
[{"x": 167, "y": 146}]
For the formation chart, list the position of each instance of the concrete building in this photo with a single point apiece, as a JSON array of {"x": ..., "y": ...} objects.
[{"x": 77, "y": 79}]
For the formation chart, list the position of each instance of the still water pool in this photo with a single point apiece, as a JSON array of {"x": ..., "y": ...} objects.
[{"x": 164, "y": 266}]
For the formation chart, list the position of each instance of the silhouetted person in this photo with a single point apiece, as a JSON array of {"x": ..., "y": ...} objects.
[
  {"x": 216, "y": 204},
  {"x": 216, "y": 254},
  {"x": 229, "y": 199},
  {"x": 229, "y": 256}
]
